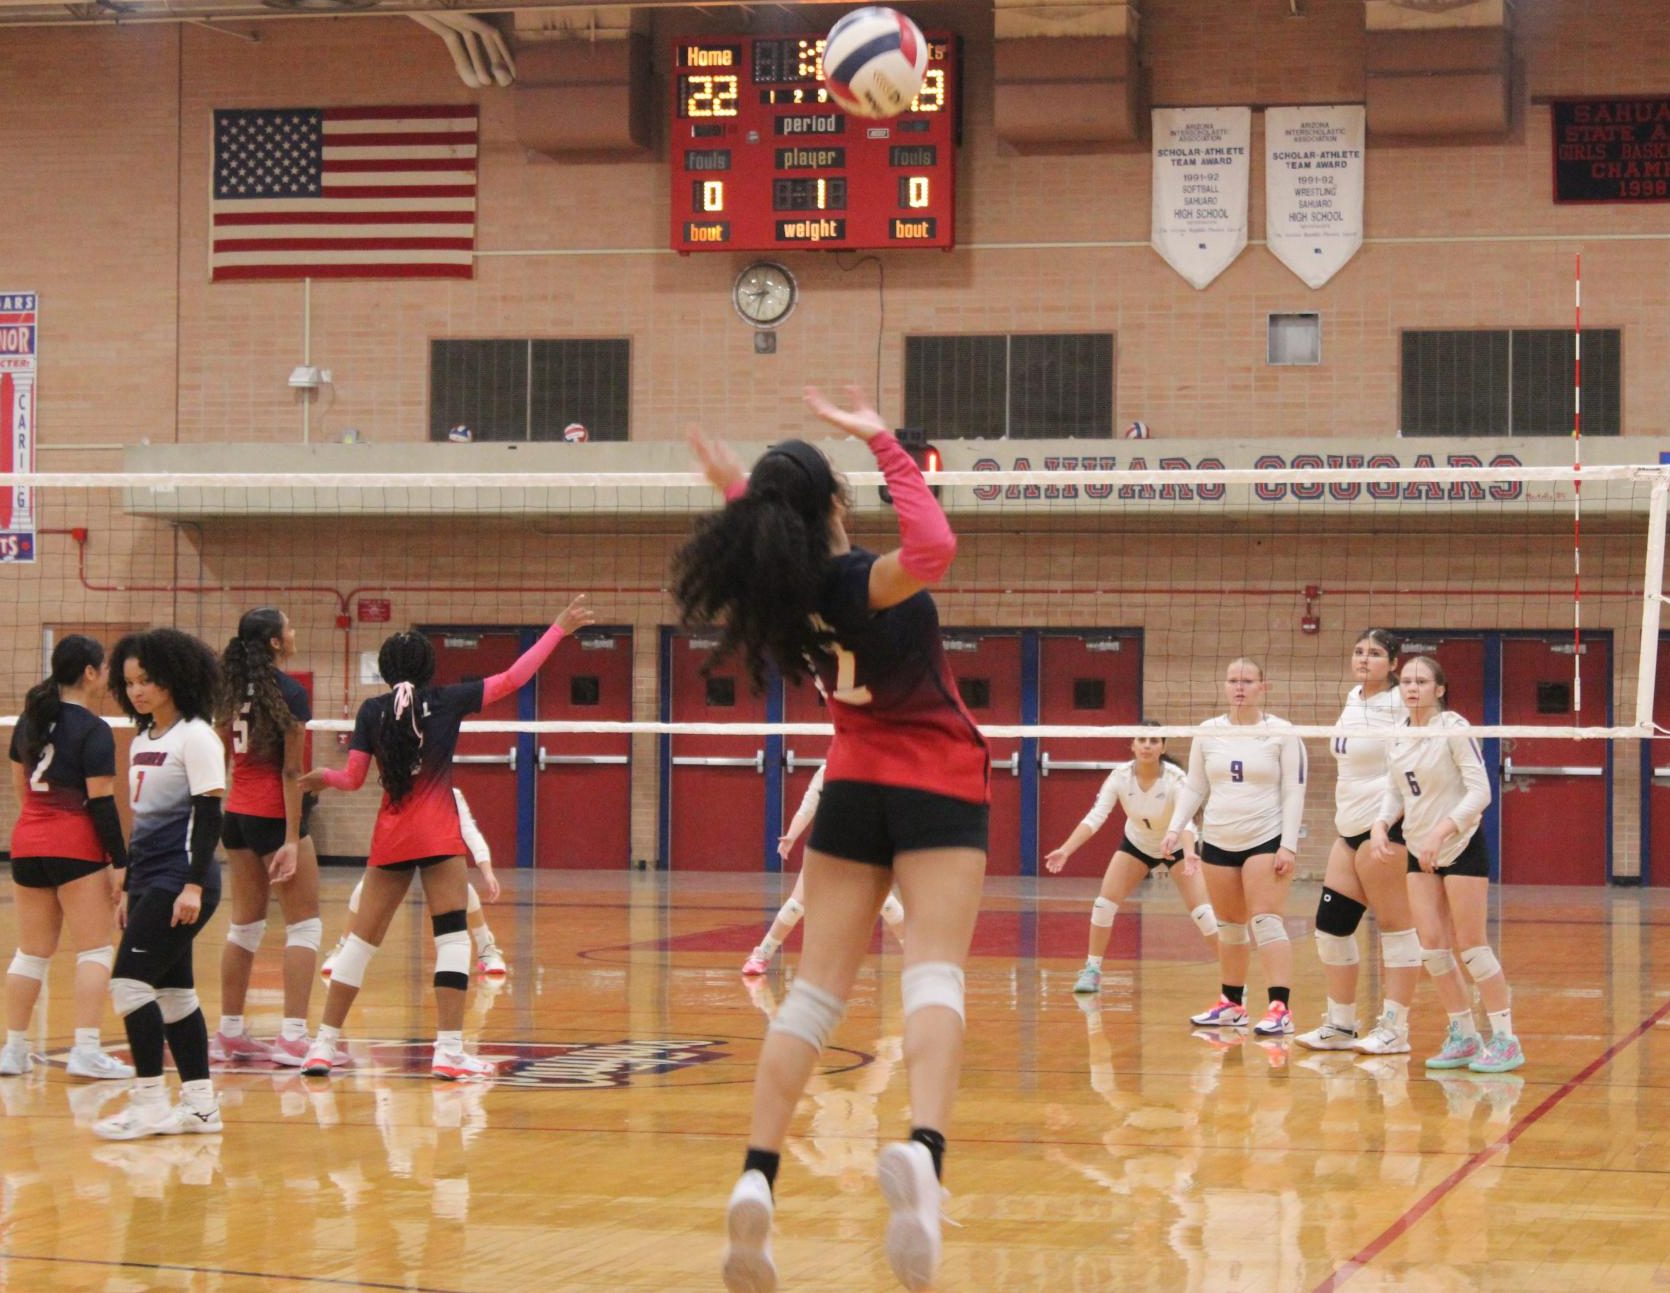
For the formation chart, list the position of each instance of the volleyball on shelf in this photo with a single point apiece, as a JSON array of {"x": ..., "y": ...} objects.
[{"x": 874, "y": 61}]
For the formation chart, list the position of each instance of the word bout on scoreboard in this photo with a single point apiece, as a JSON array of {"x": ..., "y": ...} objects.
[{"x": 764, "y": 160}]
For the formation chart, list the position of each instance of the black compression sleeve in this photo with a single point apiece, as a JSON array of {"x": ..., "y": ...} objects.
[
  {"x": 109, "y": 826},
  {"x": 205, "y": 834}
]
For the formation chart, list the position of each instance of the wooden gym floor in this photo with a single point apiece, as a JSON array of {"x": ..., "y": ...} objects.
[{"x": 1098, "y": 1145}]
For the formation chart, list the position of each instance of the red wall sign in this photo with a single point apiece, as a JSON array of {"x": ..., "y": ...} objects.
[{"x": 375, "y": 610}]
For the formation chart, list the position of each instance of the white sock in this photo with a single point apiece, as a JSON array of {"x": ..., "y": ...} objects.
[
  {"x": 1342, "y": 1014},
  {"x": 87, "y": 1039},
  {"x": 483, "y": 938},
  {"x": 450, "y": 1042},
  {"x": 768, "y": 947},
  {"x": 17, "y": 1037},
  {"x": 328, "y": 1034},
  {"x": 1094, "y": 962},
  {"x": 1395, "y": 1016},
  {"x": 149, "y": 1090},
  {"x": 1501, "y": 1022},
  {"x": 1463, "y": 1020},
  {"x": 293, "y": 1030},
  {"x": 200, "y": 1093},
  {"x": 231, "y": 1025}
]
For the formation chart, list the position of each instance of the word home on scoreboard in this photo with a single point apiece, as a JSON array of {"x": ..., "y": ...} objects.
[{"x": 763, "y": 160}]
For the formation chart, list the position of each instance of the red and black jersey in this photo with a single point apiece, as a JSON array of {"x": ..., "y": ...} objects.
[
  {"x": 899, "y": 720},
  {"x": 53, "y": 820},
  {"x": 258, "y": 775},
  {"x": 424, "y": 823}
]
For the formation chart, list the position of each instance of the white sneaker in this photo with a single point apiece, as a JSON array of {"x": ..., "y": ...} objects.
[
  {"x": 150, "y": 1118},
  {"x": 1385, "y": 1040},
  {"x": 490, "y": 961},
  {"x": 320, "y": 1059},
  {"x": 453, "y": 1066},
  {"x": 1329, "y": 1037},
  {"x": 14, "y": 1059},
  {"x": 748, "y": 1267},
  {"x": 195, "y": 1121},
  {"x": 906, "y": 1173},
  {"x": 89, "y": 1063}
]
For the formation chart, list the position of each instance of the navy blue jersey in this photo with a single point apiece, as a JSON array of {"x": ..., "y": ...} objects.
[
  {"x": 425, "y": 822},
  {"x": 258, "y": 775},
  {"x": 52, "y": 820}
]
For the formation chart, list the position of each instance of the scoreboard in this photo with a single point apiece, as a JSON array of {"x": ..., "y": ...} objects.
[{"x": 763, "y": 159}]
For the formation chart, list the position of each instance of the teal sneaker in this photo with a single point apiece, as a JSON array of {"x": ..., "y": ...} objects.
[
  {"x": 1501, "y": 1053},
  {"x": 1090, "y": 980},
  {"x": 1459, "y": 1050}
]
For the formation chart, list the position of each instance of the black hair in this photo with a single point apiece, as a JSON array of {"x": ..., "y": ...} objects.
[
  {"x": 1385, "y": 639},
  {"x": 1437, "y": 676},
  {"x": 404, "y": 658},
  {"x": 71, "y": 658},
  {"x": 251, "y": 668},
  {"x": 178, "y": 663},
  {"x": 1154, "y": 722},
  {"x": 754, "y": 570}
]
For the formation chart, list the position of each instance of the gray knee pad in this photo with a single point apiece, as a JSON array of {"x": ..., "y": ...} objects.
[
  {"x": 105, "y": 956},
  {"x": 177, "y": 1003},
  {"x": 1231, "y": 932},
  {"x": 1438, "y": 961},
  {"x": 809, "y": 1014},
  {"x": 1481, "y": 963}
]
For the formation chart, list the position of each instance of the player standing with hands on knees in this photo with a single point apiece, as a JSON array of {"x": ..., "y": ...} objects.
[{"x": 904, "y": 799}]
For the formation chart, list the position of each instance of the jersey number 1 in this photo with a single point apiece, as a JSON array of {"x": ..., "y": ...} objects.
[{"x": 846, "y": 675}]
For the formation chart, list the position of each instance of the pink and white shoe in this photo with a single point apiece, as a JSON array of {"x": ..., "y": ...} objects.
[
  {"x": 293, "y": 1054},
  {"x": 455, "y": 1066},
  {"x": 242, "y": 1049},
  {"x": 491, "y": 962},
  {"x": 320, "y": 1059},
  {"x": 756, "y": 964}
]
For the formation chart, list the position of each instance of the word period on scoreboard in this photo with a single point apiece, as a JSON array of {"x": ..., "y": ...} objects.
[{"x": 763, "y": 160}]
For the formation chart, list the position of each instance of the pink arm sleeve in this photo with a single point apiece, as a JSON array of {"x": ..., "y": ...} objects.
[
  {"x": 353, "y": 776},
  {"x": 736, "y": 489},
  {"x": 926, "y": 543},
  {"x": 516, "y": 677}
]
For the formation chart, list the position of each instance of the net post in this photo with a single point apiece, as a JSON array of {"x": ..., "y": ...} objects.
[{"x": 1652, "y": 599}]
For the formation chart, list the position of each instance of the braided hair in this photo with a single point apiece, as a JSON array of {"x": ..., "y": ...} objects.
[
  {"x": 71, "y": 658},
  {"x": 251, "y": 668},
  {"x": 407, "y": 663}
]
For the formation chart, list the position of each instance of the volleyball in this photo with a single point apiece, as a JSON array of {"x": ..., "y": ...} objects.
[
  {"x": 1137, "y": 431},
  {"x": 874, "y": 61}
]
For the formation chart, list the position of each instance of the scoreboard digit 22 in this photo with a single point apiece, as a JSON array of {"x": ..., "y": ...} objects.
[{"x": 763, "y": 159}]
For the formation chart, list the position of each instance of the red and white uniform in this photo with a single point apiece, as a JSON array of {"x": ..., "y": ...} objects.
[
  {"x": 52, "y": 820},
  {"x": 257, "y": 776}
]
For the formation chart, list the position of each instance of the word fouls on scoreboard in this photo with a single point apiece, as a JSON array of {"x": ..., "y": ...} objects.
[{"x": 763, "y": 160}]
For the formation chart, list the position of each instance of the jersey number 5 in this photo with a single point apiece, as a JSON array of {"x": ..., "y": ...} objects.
[
  {"x": 240, "y": 731},
  {"x": 37, "y": 778}
]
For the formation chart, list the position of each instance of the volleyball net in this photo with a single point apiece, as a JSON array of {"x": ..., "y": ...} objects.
[{"x": 1184, "y": 569}]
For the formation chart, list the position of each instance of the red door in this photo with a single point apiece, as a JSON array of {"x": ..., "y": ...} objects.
[
  {"x": 484, "y": 766},
  {"x": 988, "y": 671},
  {"x": 1093, "y": 679},
  {"x": 1554, "y": 792},
  {"x": 802, "y": 757},
  {"x": 583, "y": 795},
  {"x": 1462, "y": 660},
  {"x": 1658, "y": 773},
  {"x": 716, "y": 799}
]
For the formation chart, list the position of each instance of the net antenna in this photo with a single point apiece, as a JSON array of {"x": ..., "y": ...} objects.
[{"x": 1577, "y": 491}]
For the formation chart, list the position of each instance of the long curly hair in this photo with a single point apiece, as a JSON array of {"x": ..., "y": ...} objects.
[
  {"x": 407, "y": 663},
  {"x": 178, "y": 663},
  {"x": 250, "y": 666},
  {"x": 754, "y": 570},
  {"x": 71, "y": 658}
]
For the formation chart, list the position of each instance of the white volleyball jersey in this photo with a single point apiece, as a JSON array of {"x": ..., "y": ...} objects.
[
  {"x": 1361, "y": 760},
  {"x": 164, "y": 773},
  {"x": 1252, "y": 780},
  {"x": 1147, "y": 812},
  {"x": 1430, "y": 780}
]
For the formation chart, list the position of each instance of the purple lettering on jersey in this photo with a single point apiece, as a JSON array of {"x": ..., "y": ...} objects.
[{"x": 150, "y": 758}]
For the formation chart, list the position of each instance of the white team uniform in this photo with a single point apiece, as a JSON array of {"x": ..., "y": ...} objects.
[
  {"x": 1147, "y": 812},
  {"x": 1251, "y": 778},
  {"x": 1427, "y": 781},
  {"x": 1361, "y": 760}
]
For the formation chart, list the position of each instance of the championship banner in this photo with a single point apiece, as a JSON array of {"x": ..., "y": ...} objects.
[
  {"x": 1201, "y": 167},
  {"x": 1313, "y": 187},
  {"x": 17, "y": 423}
]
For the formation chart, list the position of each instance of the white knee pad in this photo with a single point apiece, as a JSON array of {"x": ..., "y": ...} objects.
[
  {"x": 1102, "y": 913},
  {"x": 105, "y": 956},
  {"x": 177, "y": 1003},
  {"x": 452, "y": 957},
  {"x": 892, "y": 910},
  {"x": 933, "y": 983},
  {"x": 305, "y": 933},
  {"x": 1336, "y": 949},
  {"x": 1205, "y": 919},
  {"x": 1231, "y": 932},
  {"x": 809, "y": 1014},
  {"x": 128, "y": 995},
  {"x": 30, "y": 967},
  {"x": 247, "y": 936},
  {"x": 1400, "y": 949},
  {"x": 351, "y": 961},
  {"x": 791, "y": 912},
  {"x": 472, "y": 900},
  {"x": 1481, "y": 963},
  {"x": 1438, "y": 961},
  {"x": 1268, "y": 928}
]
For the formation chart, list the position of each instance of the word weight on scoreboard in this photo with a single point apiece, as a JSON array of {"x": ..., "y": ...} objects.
[{"x": 763, "y": 160}]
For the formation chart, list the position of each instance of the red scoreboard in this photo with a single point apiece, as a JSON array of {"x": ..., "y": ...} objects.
[{"x": 763, "y": 160}]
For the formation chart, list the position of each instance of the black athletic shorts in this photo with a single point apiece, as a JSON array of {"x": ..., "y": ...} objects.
[
  {"x": 1395, "y": 835},
  {"x": 1212, "y": 855},
  {"x": 1473, "y": 860},
  {"x": 154, "y": 949},
  {"x": 49, "y": 873},
  {"x": 1125, "y": 846},
  {"x": 415, "y": 864},
  {"x": 262, "y": 836},
  {"x": 862, "y": 821}
]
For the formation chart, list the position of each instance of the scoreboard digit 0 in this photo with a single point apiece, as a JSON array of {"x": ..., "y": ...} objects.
[{"x": 763, "y": 160}]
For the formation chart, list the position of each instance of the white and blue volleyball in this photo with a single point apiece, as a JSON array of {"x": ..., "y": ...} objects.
[{"x": 874, "y": 62}]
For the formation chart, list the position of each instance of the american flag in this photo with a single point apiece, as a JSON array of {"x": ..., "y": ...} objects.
[{"x": 344, "y": 193}]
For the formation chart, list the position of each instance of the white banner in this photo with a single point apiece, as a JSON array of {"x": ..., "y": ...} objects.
[
  {"x": 1201, "y": 163},
  {"x": 17, "y": 423},
  {"x": 1313, "y": 187}
]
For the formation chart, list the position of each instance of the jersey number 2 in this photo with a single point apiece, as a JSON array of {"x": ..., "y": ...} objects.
[{"x": 37, "y": 778}]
